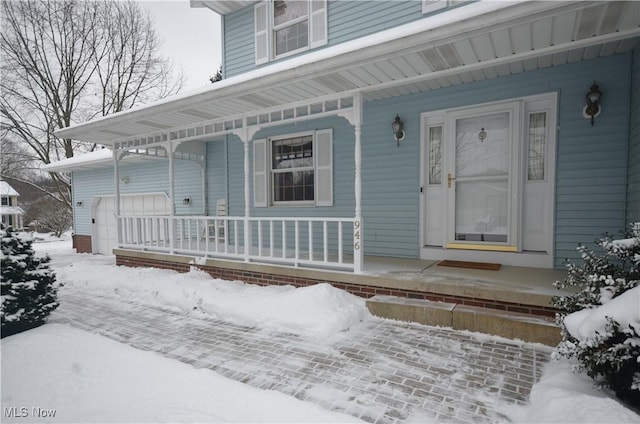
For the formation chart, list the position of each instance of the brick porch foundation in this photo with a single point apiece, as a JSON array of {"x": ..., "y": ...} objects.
[
  {"x": 81, "y": 243},
  {"x": 361, "y": 285}
]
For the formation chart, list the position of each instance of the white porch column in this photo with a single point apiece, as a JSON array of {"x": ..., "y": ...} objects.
[
  {"x": 116, "y": 200},
  {"x": 246, "y": 136},
  {"x": 169, "y": 148},
  {"x": 357, "y": 226}
]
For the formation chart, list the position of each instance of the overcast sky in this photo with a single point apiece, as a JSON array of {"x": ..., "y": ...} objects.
[{"x": 190, "y": 37}]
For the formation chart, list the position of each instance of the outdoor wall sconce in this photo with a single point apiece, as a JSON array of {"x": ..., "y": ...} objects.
[
  {"x": 592, "y": 109},
  {"x": 125, "y": 180},
  {"x": 398, "y": 130},
  {"x": 482, "y": 135},
  {"x": 79, "y": 204},
  {"x": 186, "y": 201}
]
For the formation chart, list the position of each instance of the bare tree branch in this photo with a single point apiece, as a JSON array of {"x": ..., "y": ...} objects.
[{"x": 64, "y": 62}]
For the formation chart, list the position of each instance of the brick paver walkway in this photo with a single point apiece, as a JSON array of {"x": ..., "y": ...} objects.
[{"x": 382, "y": 371}]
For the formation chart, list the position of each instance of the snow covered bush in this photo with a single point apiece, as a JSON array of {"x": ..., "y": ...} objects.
[
  {"x": 28, "y": 286},
  {"x": 601, "y": 321}
]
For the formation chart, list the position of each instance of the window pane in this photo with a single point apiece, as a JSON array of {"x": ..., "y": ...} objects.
[
  {"x": 292, "y": 153},
  {"x": 482, "y": 210},
  {"x": 293, "y": 186},
  {"x": 537, "y": 145},
  {"x": 285, "y": 11},
  {"x": 292, "y": 38},
  {"x": 435, "y": 155},
  {"x": 292, "y": 169},
  {"x": 487, "y": 156}
]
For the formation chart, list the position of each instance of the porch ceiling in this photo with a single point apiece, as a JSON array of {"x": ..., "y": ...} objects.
[{"x": 476, "y": 42}]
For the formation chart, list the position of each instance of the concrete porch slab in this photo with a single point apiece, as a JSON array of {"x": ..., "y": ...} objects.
[
  {"x": 511, "y": 325},
  {"x": 513, "y": 289}
]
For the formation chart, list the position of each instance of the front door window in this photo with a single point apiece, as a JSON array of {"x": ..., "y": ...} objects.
[{"x": 481, "y": 171}]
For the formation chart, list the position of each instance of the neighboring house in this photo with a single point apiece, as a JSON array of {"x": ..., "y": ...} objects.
[
  {"x": 12, "y": 214},
  {"x": 500, "y": 157}
]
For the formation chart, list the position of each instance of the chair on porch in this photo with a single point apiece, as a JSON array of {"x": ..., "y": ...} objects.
[{"x": 217, "y": 230}]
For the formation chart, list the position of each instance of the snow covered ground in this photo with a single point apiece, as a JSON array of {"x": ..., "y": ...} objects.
[{"x": 73, "y": 371}]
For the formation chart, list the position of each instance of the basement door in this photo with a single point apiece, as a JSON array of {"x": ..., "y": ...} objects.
[{"x": 486, "y": 169}]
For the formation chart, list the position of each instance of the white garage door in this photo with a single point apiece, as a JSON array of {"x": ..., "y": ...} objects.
[{"x": 104, "y": 221}]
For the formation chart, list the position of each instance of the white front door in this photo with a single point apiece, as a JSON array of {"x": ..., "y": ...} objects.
[
  {"x": 488, "y": 182},
  {"x": 481, "y": 181}
]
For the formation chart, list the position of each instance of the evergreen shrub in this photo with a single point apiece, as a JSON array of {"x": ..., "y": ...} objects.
[{"x": 28, "y": 287}]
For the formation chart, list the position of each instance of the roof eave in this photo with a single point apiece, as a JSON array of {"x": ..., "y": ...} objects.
[{"x": 296, "y": 67}]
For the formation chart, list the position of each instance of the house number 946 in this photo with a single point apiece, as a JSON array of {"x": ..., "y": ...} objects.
[{"x": 356, "y": 235}]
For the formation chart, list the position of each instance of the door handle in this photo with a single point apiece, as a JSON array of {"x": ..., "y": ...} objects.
[{"x": 449, "y": 179}]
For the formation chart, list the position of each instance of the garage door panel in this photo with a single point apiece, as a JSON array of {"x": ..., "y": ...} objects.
[{"x": 105, "y": 225}]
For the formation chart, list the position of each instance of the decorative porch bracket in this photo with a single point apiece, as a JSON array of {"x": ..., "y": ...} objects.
[
  {"x": 348, "y": 106},
  {"x": 268, "y": 117}
]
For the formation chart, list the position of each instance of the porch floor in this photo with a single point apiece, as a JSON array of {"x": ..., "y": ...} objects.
[
  {"x": 523, "y": 280},
  {"x": 515, "y": 289}
]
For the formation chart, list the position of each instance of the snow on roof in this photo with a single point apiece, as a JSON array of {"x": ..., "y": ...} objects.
[
  {"x": 7, "y": 190},
  {"x": 81, "y": 161},
  {"x": 11, "y": 210},
  {"x": 293, "y": 65}
]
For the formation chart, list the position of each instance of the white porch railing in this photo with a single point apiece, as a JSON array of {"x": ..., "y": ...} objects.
[{"x": 306, "y": 242}]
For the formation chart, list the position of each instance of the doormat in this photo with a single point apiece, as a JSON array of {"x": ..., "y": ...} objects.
[{"x": 470, "y": 265}]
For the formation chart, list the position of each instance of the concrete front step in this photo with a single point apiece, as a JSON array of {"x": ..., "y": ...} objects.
[{"x": 511, "y": 325}]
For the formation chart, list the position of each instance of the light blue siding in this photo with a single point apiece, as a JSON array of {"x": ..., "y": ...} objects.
[
  {"x": 347, "y": 20},
  {"x": 144, "y": 178},
  {"x": 239, "y": 48},
  {"x": 216, "y": 173},
  {"x": 592, "y": 169},
  {"x": 591, "y": 161},
  {"x": 633, "y": 208}
]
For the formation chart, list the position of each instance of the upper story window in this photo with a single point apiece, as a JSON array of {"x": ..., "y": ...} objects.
[
  {"x": 285, "y": 27},
  {"x": 429, "y": 6},
  {"x": 5, "y": 201}
]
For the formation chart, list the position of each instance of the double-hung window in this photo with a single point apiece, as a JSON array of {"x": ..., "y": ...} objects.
[
  {"x": 283, "y": 27},
  {"x": 294, "y": 170}
]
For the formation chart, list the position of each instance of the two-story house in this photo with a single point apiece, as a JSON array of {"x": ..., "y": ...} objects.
[
  {"x": 12, "y": 214},
  {"x": 475, "y": 131}
]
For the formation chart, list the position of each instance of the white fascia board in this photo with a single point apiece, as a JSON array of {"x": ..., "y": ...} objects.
[
  {"x": 220, "y": 7},
  {"x": 459, "y": 20},
  {"x": 102, "y": 156}
]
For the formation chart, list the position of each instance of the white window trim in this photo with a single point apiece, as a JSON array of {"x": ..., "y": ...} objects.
[
  {"x": 270, "y": 54},
  {"x": 271, "y": 172},
  {"x": 429, "y": 6},
  {"x": 264, "y": 175},
  {"x": 523, "y": 258}
]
